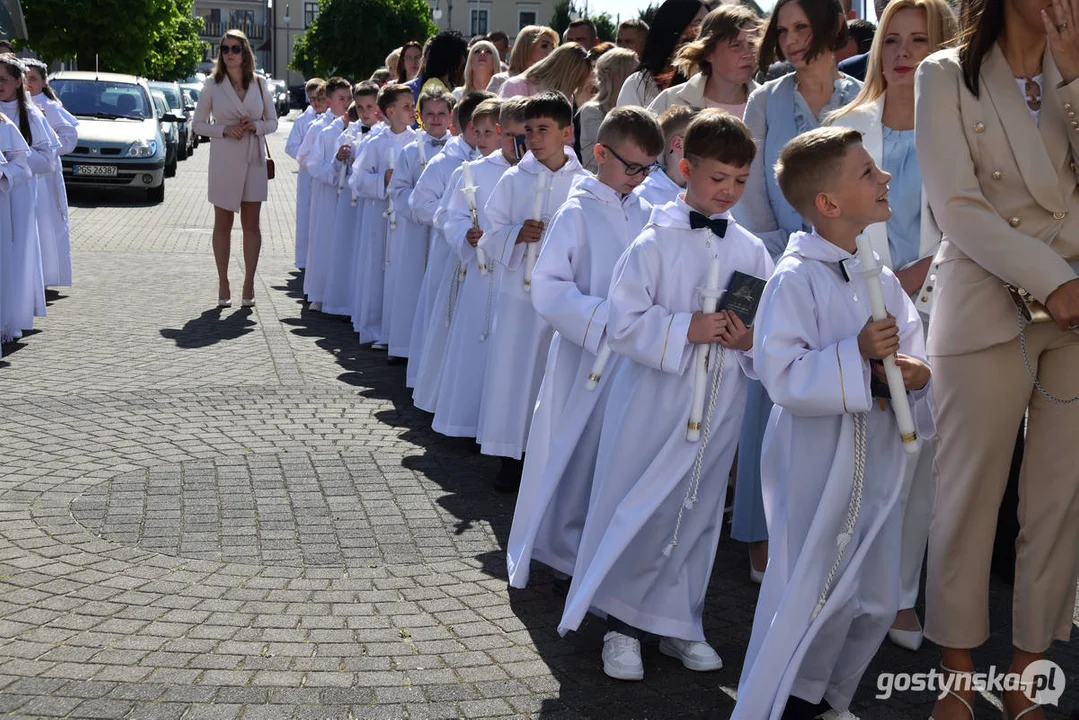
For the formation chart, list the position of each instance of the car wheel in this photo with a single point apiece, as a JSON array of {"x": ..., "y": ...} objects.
[
  {"x": 157, "y": 194},
  {"x": 181, "y": 152},
  {"x": 170, "y": 168}
]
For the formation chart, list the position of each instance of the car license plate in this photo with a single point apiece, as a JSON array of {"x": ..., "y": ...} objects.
[{"x": 95, "y": 170}]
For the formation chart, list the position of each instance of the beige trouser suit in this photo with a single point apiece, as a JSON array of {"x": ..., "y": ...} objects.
[{"x": 1003, "y": 189}]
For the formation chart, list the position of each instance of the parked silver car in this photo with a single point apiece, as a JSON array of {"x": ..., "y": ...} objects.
[
  {"x": 120, "y": 143},
  {"x": 174, "y": 98}
]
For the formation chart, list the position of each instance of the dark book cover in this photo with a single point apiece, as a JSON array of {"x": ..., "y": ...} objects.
[{"x": 742, "y": 297}]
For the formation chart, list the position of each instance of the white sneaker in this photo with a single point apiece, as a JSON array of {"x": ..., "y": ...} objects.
[
  {"x": 697, "y": 656},
  {"x": 622, "y": 657},
  {"x": 837, "y": 715}
]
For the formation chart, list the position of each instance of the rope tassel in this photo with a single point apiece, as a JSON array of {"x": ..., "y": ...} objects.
[{"x": 854, "y": 509}]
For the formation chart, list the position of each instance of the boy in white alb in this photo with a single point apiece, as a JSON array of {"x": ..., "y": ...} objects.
[
  {"x": 374, "y": 171},
  {"x": 339, "y": 283},
  {"x": 320, "y": 162},
  {"x": 656, "y": 509},
  {"x": 429, "y": 196},
  {"x": 464, "y": 368},
  {"x": 316, "y": 95},
  {"x": 585, "y": 239},
  {"x": 407, "y": 245},
  {"x": 521, "y": 338},
  {"x": 660, "y": 188},
  {"x": 832, "y": 464}
]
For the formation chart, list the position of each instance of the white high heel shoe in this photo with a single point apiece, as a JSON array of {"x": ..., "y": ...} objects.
[{"x": 949, "y": 691}]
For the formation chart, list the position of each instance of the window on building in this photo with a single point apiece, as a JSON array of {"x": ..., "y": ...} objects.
[
  {"x": 479, "y": 21},
  {"x": 310, "y": 12},
  {"x": 526, "y": 18}
]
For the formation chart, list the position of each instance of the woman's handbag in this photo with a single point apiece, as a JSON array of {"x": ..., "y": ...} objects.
[
  {"x": 270, "y": 169},
  {"x": 1031, "y": 310}
]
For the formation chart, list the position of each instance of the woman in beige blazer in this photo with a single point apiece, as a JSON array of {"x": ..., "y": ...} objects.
[
  {"x": 998, "y": 141},
  {"x": 235, "y": 110}
]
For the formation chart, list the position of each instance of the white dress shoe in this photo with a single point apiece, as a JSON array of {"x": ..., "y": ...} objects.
[
  {"x": 622, "y": 657},
  {"x": 697, "y": 656},
  {"x": 837, "y": 715},
  {"x": 907, "y": 639}
]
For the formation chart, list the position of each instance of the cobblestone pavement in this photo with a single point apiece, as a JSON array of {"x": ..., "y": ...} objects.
[{"x": 226, "y": 514}]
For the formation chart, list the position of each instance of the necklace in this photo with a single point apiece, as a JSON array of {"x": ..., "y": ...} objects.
[{"x": 1033, "y": 92}]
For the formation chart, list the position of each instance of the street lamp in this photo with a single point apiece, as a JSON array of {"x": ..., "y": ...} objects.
[{"x": 437, "y": 12}]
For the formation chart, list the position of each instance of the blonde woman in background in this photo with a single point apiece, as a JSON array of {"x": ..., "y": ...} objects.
[
  {"x": 612, "y": 69},
  {"x": 909, "y": 31},
  {"x": 565, "y": 71},
  {"x": 392, "y": 60},
  {"x": 533, "y": 43},
  {"x": 719, "y": 64},
  {"x": 479, "y": 68}
]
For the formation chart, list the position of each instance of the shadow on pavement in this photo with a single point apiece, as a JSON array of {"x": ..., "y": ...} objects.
[
  {"x": 87, "y": 197},
  {"x": 577, "y": 679},
  {"x": 210, "y": 328}
]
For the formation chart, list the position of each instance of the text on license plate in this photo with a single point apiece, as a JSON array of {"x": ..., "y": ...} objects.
[{"x": 100, "y": 170}]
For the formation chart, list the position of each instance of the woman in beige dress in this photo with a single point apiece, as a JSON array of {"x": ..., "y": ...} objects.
[{"x": 242, "y": 112}]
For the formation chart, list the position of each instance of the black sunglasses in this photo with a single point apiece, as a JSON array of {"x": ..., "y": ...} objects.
[
  {"x": 232, "y": 49},
  {"x": 633, "y": 168}
]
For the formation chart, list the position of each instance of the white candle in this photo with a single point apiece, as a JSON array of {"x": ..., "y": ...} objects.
[
  {"x": 537, "y": 215},
  {"x": 469, "y": 190},
  {"x": 600, "y": 363},
  {"x": 700, "y": 370},
  {"x": 391, "y": 215},
  {"x": 423, "y": 154},
  {"x": 870, "y": 270},
  {"x": 341, "y": 178}
]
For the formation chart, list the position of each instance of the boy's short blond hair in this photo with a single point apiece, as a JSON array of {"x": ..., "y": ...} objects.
[
  {"x": 674, "y": 121},
  {"x": 811, "y": 164},
  {"x": 512, "y": 111},
  {"x": 490, "y": 110}
]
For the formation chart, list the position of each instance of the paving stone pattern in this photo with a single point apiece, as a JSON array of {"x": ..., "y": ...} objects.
[{"x": 239, "y": 514}]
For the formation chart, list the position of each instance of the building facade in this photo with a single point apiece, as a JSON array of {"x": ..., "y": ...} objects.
[
  {"x": 252, "y": 17},
  {"x": 479, "y": 17}
]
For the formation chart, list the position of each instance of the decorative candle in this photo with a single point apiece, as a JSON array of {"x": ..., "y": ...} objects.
[{"x": 709, "y": 300}]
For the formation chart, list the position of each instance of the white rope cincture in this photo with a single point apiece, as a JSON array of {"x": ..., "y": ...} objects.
[
  {"x": 695, "y": 478},
  {"x": 490, "y": 303},
  {"x": 854, "y": 508},
  {"x": 454, "y": 290}
]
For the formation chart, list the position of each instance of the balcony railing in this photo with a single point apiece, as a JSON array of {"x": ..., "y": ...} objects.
[{"x": 253, "y": 31}]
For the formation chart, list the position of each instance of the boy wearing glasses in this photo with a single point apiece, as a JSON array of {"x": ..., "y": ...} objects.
[
  {"x": 569, "y": 290},
  {"x": 520, "y": 337},
  {"x": 656, "y": 508}
]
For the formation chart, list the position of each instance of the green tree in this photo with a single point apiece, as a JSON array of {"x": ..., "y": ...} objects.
[
  {"x": 149, "y": 37},
  {"x": 562, "y": 11},
  {"x": 353, "y": 37},
  {"x": 606, "y": 27},
  {"x": 649, "y": 13}
]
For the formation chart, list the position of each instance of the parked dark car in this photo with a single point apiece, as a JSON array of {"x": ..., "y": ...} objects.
[
  {"x": 174, "y": 99},
  {"x": 169, "y": 131},
  {"x": 281, "y": 97}
]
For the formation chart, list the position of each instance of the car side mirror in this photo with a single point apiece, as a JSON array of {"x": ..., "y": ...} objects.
[
  {"x": 172, "y": 117},
  {"x": 189, "y": 108}
]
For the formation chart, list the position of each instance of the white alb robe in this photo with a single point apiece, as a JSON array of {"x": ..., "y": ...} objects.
[
  {"x": 587, "y": 236},
  {"x": 320, "y": 164},
  {"x": 424, "y": 202},
  {"x": 17, "y": 298},
  {"x": 44, "y": 159},
  {"x": 340, "y": 253},
  {"x": 369, "y": 180},
  {"x": 520, "y": 338},
  {"x": 408, "y": 243},
  {"x": 304, "y": 216},
  {"x": 808, "y": 360},
  {"x": 55, "y": 236},
  {"x": 464, "y": 367},
  {"x": 658, "y": 189},
  {"x": 303, "y": 183},
  {"x": 632, "y": 563}
]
